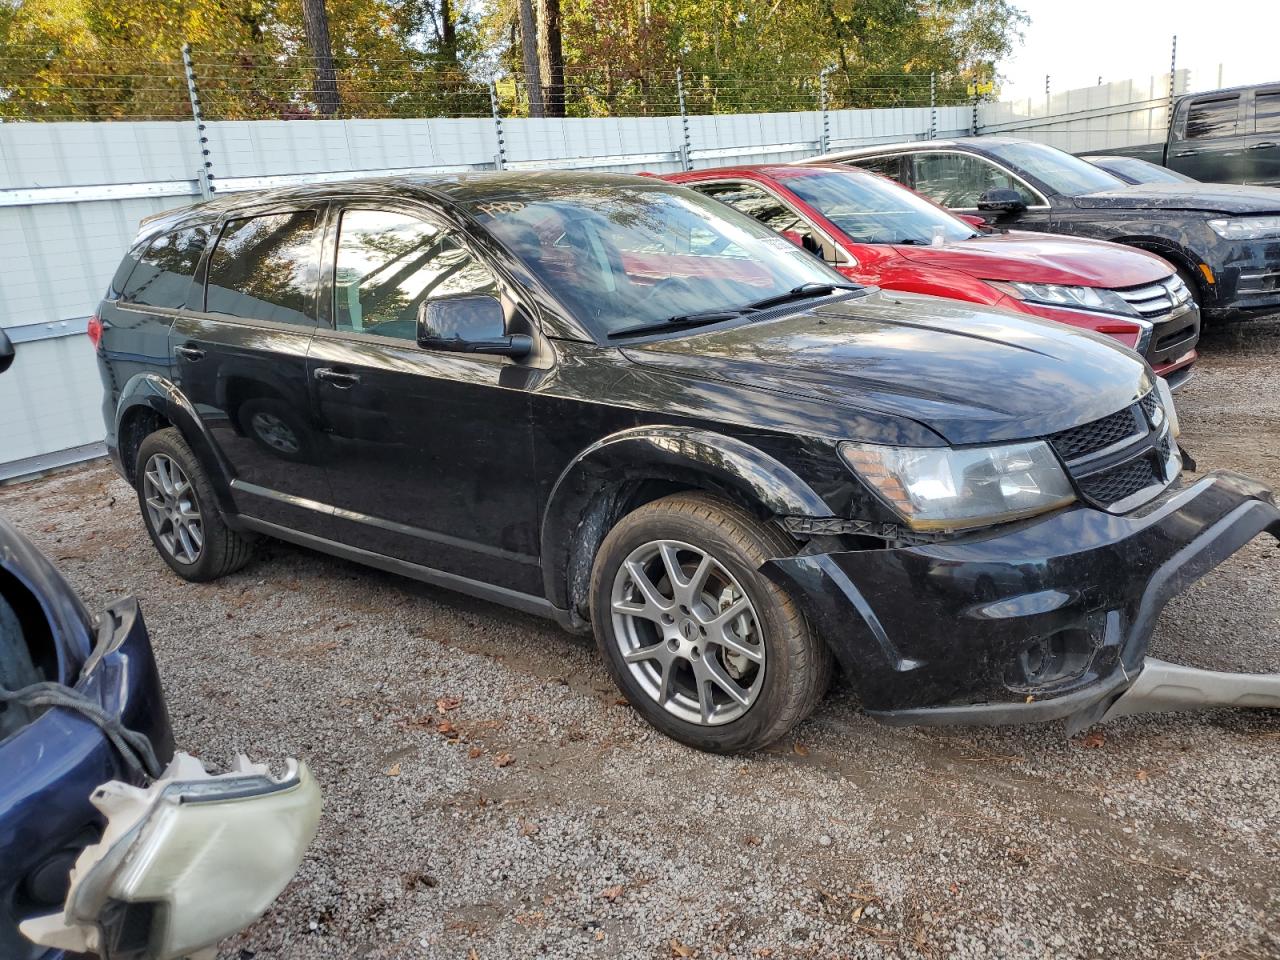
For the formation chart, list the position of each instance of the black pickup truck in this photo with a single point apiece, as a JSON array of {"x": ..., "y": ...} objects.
[{"x": 1223, "y": 136}]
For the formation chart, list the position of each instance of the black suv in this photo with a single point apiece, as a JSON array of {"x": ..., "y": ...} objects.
[{"x": 617, "y": 403}]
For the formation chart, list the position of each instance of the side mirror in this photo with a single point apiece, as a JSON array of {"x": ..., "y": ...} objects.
[
  {"x": 1001, "y": 200},
  {"x": 978, "y": 223},
  {"x": 470, "y": 323},
  {"x": 6, "y": 351}
]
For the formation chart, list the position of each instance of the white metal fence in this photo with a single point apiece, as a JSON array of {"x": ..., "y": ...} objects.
[{"x": 71, "y": 195}]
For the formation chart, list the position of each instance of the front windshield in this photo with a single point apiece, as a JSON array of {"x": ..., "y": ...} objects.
[
  {"x": 623, "y": 256},
  {"x": 1062, "y": 173},
  {"x": 870, "y": 209},
  {"x": 1140, "y": 171}
]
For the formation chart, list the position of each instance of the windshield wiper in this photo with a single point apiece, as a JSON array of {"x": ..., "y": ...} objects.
[
  {"x": 803, "y": 292},
  {"x": 677, "y": 322}
]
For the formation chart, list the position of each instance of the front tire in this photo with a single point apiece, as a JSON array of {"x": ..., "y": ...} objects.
[
  {"x": 707, "y": 649},
  {"x": 180, "y": 512}
]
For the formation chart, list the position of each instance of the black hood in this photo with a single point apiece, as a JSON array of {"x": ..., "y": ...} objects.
[
  {"x": 1209, "y": 197},
  {"x": 971, "y": 374}
]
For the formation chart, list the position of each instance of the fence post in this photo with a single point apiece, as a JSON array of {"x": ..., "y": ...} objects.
[
  {"x": 500, "y": 158},
  {"x": 973, "y": 124},
  {"x": 825, "y": 142},
  {"x": 1173, "y": 76},
  {"x": 933, "y": 107},
  {"x": 204, "y": 176},
  {"x": 686, "y": 162}
]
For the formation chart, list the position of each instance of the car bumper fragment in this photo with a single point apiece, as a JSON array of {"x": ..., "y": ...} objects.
[{"x": 1041, "y": 620}]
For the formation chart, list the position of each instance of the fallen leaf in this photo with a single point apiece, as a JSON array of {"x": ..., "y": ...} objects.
[
  {"x": 599, "y": 936},
  {"x": 1143, "y": 775},
  {"x": 393, "y": 770},
  {"x": 503, "y": 760},
  {"x": 751, "y": 841},
  {"x": 955, "y": 889},
  {"x": 919, "y": 940},
  {"x": 472, "y": 955},
  {"x": 448, "y": 703},
  {"x": 801, "y": 749},
  {"x": 530, "y": 919},
  {"x": 474, "y": 752},
  {"x": 612, "y": 893},
  {"x": 857, "y": 912},
  {"x": 621, "y": 702},
  {"x": 1091, "y": 741},
  {"x": 528, "y": 828},
  {"x": 764, "y": 952},
  {"x": 678, "y": 949},
  {"x": 444, "y": 728}
]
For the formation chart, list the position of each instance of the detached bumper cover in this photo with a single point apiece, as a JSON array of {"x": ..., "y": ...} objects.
[{"x": 1043, "y": 620}]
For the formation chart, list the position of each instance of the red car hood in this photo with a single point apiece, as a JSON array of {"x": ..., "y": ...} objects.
[{"x": 1044, "y": 258}]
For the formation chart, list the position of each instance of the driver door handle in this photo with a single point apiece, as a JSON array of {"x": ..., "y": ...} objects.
[
  {"x": 339, "y": 378},
  {"x": 1186, "y": 153},
  {"x": 1268, "y": 145},
  {"x": 190, "y": 353}
]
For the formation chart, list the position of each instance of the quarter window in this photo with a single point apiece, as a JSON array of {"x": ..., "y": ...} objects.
[
  {"x": 890, "y": 167},
  {"x": 1266, "y": 112},
  {"x": 390, "y": 263},
  {"x": 163, "y": 273},
  {"x": 265, "y": 268},
  {"x": 957, "y": 180},
  {"x": 1213, "y": 118}
]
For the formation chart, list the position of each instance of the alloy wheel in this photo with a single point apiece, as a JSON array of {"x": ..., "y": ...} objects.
[
  {"x": 688, "y": 633},
  {"x": 172, "y": 508}
]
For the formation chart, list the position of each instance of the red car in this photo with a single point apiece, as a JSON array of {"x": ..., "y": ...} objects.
[{"x": 877, "y": 232}]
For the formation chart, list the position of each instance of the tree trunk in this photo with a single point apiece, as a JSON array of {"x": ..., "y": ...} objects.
[
  {"x": 551, "y": 48},
  {"x": 316, "y": 23},
  {"x": 448, "y": 32},
  {"x": 529, "y": 50}
]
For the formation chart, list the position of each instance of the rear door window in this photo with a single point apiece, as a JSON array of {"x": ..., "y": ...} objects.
[
  {"x": 1213, "y": 117},
  {"x": 163, "y": 272},
  {"x": 1266, "y": 111},
  {"x": 890, "y": 167},
  {"x": 957, "y": 180},
  {"x": 266, "y": 268},
  {"x": 388, "y": 263},
  {"x": 754, "y": 202}
]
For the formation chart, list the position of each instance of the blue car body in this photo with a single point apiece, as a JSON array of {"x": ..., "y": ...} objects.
[{"x": 53, "y": 760}]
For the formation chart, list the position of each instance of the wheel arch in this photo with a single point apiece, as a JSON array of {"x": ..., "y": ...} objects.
[
  {"x": 627, "y": 469},
  {"x": 150, "y": 402},
  {"x": 1178, "y": 255}
]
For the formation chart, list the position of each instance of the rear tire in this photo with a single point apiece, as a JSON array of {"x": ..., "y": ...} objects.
[
  {"x": 181, "y": 513},
  {"x": 707, "y": 649}
]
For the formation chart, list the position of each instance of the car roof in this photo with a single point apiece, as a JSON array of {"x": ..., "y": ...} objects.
[
  {"x": 780, "y": 170},
  {"x": 969, "y": 143},
  {"x": 459, "y": 188}
]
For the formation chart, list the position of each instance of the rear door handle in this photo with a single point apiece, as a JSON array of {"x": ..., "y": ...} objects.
[
  {"x": 190, "y": 353},
  {"x": 1262, "y": 146},
  {"x": 1186, "y": 153},
  {"x": 339, "y": 378}
]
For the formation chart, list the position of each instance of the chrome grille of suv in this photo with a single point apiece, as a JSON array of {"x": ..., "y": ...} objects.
[{"x": 1155, "y": 301}]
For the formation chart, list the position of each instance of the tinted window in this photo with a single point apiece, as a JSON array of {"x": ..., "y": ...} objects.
[
  {"x": 619, "y": 256},
  {"x": 1266, "y": 112},
  {"x": 1140, "y": 171},
  {"x": 163, "y": 274},
  {"x": 871, "y": 210},
  {"x": 265, "y": 268},
  {"x": 1213, "y": 118},
  {"x": 1061, "y": 172},
  {"x": 959, "y": 179},
  {"x": 389, "y": 263},
  {"x": 890, "y": 167},
  {"x": 755, "y": 202}
]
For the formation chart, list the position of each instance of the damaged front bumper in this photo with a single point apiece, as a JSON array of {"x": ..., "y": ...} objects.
[{"x": 1042, "y": 620}]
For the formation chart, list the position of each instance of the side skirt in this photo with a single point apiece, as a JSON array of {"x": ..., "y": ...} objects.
[{"x": 524, "y": 602}]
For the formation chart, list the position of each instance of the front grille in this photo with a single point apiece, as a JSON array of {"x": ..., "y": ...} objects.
[
  {"x": 1112, "y": 486},
  {"x": 1156, "y": 301},
  {"x": 1091, "y": 437},
  {"x": 1150, "y": 404}
]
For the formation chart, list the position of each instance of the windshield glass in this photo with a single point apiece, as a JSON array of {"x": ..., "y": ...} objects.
[
  {"x": 1060, "y": 172},
  {"x": 622, "y": 256},
  {"x": 1140, "y": 171},
  {"x": 872, "y": 210}
]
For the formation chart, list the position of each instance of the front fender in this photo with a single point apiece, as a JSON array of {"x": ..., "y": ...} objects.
[
  {"x": 154, "y": 392},
  {"x": 584, "y": 501}
]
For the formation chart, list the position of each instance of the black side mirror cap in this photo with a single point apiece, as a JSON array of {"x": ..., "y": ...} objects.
[
  {"x": 469, "y": 323},
  {"x": 6, "y": 351},
  {"x": 1001, "y": 200}
]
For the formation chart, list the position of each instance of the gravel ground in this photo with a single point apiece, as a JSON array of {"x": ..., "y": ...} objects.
[{"x": 487, "y": 795}]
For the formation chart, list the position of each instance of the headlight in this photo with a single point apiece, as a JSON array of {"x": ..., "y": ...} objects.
[
  {"x": 1246, "y": 228},
  {"x": 1166, "y": 401},
  {"x": 1093, "y": 299},
  {"x": 939, "y": 488}
]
